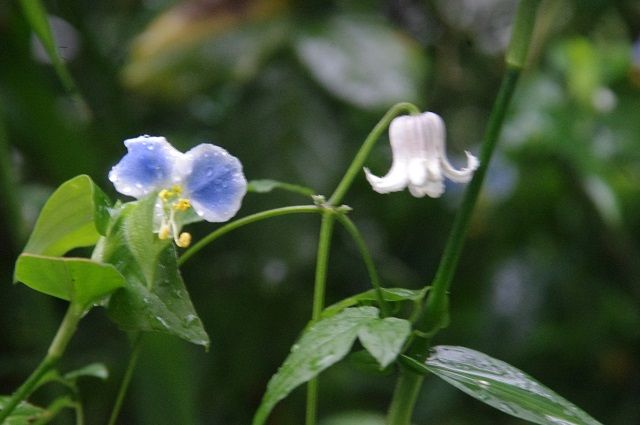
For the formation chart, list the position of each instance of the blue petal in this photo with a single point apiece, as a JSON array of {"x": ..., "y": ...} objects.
[
  {"x": 216, "y": 184},
  {"x": 148, "y": 166}
]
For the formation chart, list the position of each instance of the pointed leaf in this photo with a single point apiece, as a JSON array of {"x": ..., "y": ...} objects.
[
  {"x": 75, "y": 215},
  {"x": 77, "y": 280},
  {"x": 383, "y": 338},
  {"x": 94, "y": 370},
  {"x": 267, "y": 185},
  {"x": 37, "y": 17},
  {"x": 154, "y": 297},
  {"x": 503, "y": 387},
  {"x": 389, "y": 294},
  {"x": 24, "y": 414},
  {"x": 321, "y": 345}
]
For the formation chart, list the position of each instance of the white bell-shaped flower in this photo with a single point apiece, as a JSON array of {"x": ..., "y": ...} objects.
[{"x": 420, "y": 158}]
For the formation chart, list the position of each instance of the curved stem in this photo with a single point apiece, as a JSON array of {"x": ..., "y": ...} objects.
[
  {"x": 322, "y": 262},
  {"x": 365, "y": 150},
  {"x": 368, "y": 261},
  {"x": 298, "y": 209},
  {"x": 66, "y": 330},
  {"x": 126, "y": 379}
]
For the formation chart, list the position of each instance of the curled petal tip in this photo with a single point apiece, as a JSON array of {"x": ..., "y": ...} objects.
[{"x": 392, "y": 182}]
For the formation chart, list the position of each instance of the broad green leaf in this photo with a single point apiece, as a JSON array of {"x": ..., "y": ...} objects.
[
  {"x": 267, "y": 185},
  {"x": 93, "y": 370},
  {"x": 383, "y": 338},
  {"x": 154, "y": 297},
  {"x": 322, "y": 344},
  {"x": 389, "y": 295},
  {"x": 503, "y": 387},
  {"x": 78, "y": 280},
  {"x": 75, "y": 215},
  {"x": 363, "y": 61},
  {"x": 24, "y": 414}
]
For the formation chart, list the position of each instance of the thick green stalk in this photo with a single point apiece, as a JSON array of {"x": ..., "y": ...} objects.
[
  {"x": 435, "y": 312},
  {"x": 298, "y": 209},
  {"x": 322, "y": 263},
  {"x": 66, "y": 330},
  {"x": 365, "y": 150},
  {"x": 368, "y": 261},
  {"x": 126, "y": 379}
]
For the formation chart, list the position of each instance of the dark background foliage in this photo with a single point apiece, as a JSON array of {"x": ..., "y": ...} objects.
[{"x": 548, "y": 281}]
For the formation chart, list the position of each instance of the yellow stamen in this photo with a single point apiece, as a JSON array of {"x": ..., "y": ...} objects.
[
  {"x": 176, "y": 189},
  {"x": 184, "y": 240},
  {"x": 164, "y": 232},
  {"x": 165, "y": 194},
  {"x": 182, "y": 204}
]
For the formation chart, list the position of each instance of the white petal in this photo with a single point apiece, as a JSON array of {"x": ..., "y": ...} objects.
[
  {"x": 431, "y": 188},
  {"x": 395, "y": 180},
  {"x": 464, "y": 175}
]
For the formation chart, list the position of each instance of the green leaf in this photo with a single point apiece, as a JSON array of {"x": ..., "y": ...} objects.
[
  {"x": 75, "y": 215},
  {"x": 342, "y": 53},
  {"x": 78, "y": 280},
  {"x": 36, "y": 15},
  {"x": 503, "y": 387},
  {"x": 389, "y": 295},
  {"x": 93, "y": 370},
  {"x": 383, "y": 338},
  {"x": 154, "y": 297},
  {"x": 24, "y": 414},
  {"x": 322, "y": 344},
  {"x": 267, "y": 185}
]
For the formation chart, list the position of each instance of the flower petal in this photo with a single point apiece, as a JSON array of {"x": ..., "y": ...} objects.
[
  {"x": 395, "y": 180},
  {"x": 216, "y": 184},
  {"x": 147, "y": 166},
  {"x": 460, "y": 176}
]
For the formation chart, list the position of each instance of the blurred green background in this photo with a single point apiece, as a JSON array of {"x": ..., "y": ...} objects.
[{"x": 550, "y": 277}]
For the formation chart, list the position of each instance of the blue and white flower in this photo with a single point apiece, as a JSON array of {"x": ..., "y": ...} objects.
[
  {"x": 419, "y": 158},
  {"x": 206, "y": 179}
]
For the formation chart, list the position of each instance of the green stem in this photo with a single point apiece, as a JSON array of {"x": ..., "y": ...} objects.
[
  {"x": 365, "y": 150},
  {"x": 434, "y": 313},
  {"x": 66, "y": 330},
  {"x": 405, "y": 396},
  {"x": 126, "y": 379},
  {"x": 368, "y": 261},
  {"x": 322, "y": 262},
  {"x": 298, "y": 209},
  {"x": 522, "y": 30}
]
